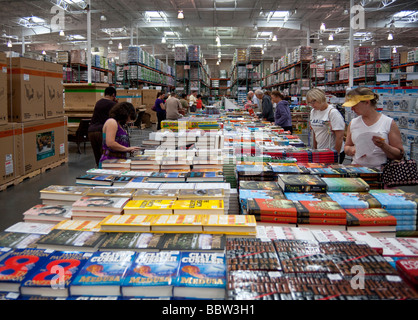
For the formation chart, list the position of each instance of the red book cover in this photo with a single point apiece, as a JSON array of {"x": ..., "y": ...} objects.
[
  {"x": 320, "y": 209},
  {"x": 369, "y": 217},
  {"x": 272, "y": 207},
  {"x": 275, "y": 219},
  {"x": 323, "y": 221},
  {"x": 409, "y": 269}
]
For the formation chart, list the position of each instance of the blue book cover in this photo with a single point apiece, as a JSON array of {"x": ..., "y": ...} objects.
[
  {"x": 402, "y": 212},
  {"x": 245, "y": 194},
  {"x": 286, "y": 169},
  {"x": 151, "y": 274},
  {"x": 15, "y": 266},
  {"x": 348, "y": 200},
  {"x": 201, "y": 275},
  {"x": 307, "y": 196},
  {"x": 397, "y": 200},
  {"x": 403, "y": 222},
  {"x": 406, "y": 227},
  {"x": 102, "y": 274},
  {"x": 53, "y": 277}
]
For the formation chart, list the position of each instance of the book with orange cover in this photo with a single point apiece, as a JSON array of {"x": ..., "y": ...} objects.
[{"x": 320, "y": 209}]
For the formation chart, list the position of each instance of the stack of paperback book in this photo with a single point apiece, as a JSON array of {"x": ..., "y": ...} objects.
[
  {"x": 321, "y": 215},
  {"x": 43, "y": 213},
  {"x": 279, "y": 211},
  {"x": 62, "y": 195},
  {"x": 403, "y": 206},
  {"x": 92, "y": 207}
]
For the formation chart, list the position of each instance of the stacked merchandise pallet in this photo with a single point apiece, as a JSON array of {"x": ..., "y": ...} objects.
[{"x": 32, "y": 123}]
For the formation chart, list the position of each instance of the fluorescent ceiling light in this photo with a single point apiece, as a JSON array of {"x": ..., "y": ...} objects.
[
  {"x": 180, "y": 15},
  {"x": 76, "y": 37},
  {"x": 264, "y": 34},
  {"x": 112, "y": 30},
  {"x": 403, "y": 14},
  {"x": 170, "y": 34},
  {"x": 155, "y": 15},
  {"x": 280, "y": 14},
  {"x": 73, "y": 1},
  {"x": 36, "y": 19}
]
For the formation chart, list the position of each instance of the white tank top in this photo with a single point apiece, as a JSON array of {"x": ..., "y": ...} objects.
[{"x": 375, "y": 157}]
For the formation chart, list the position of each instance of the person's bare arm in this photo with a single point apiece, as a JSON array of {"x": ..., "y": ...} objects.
[
  {"x": 111, "y": 127},
  {"x": 349, "y": 148},
  {"x": 394, "y": 147}
]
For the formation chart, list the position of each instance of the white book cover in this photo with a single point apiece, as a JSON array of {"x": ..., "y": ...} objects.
[
  {"x": 395, "y": 248},
  {"x": 31, "y": 227}
]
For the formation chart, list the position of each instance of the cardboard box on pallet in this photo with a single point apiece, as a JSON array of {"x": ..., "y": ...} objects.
[
  {"x": 45, "y": 142},
  {"x": 26, "y": 90},
  {"x": 149, "y": 96},
  {"x": 54, "y": 104},
  {"x": 83, "y": 95},
  {"x": 3, "y": 89},
  {"x": 10, "y": 144},
  {"x": 133, "y": 96}
]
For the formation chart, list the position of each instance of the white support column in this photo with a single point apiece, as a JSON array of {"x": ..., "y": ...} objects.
[
  {"x": 351, "y": 67},
  {"x": 89, "y": 41}
]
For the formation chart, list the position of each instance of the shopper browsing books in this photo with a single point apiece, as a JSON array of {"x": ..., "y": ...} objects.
[
  {"x": 173, "y": 107},
  {"x": 326, "y": 122},
  {"x": 100, "y": 115},
  {"x": 373, "y": 137},
  {"x": 159, "y": 107},
  {"x": 199, "y": 103},
  {"x": 266, "y": 105},
  {"x": 282, "y": 116},
  {"x": 116, "y": 143},
  {"x": 184, "y": 104},
  {"x": 193, "y": 101}
]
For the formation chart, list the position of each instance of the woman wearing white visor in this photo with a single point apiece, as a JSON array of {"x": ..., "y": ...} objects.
[{"x": 372, "y": 137}]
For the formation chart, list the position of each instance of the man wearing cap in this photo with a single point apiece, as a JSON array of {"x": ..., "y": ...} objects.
[{"x": 372, "y": 137}]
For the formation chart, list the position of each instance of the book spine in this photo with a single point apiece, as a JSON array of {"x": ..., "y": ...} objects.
[{"x": 321, "y": 221}]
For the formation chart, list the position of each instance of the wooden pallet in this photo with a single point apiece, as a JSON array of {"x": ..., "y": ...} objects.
[
  {"x": 54, "y": 165},
  {"x": 32, "y": 174}
]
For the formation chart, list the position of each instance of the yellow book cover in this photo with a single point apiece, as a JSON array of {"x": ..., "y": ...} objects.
[
  {"x": 79, "y": 225},
  {"x": 127, "y": 223},
  {"x": 230, "y": 224},
  {"x": 149, "y": 205},
  {"x": 198, "y": 205},
  {"x": 177, "y": 223}
]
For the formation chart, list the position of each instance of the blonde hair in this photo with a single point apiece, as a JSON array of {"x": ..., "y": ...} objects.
[
  {"x": 316, "y": 94},
  {"x": 364, "y": 91}
]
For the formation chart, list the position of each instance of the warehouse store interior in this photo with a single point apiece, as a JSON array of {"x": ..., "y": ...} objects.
[{"x": 244, "y": 181}]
